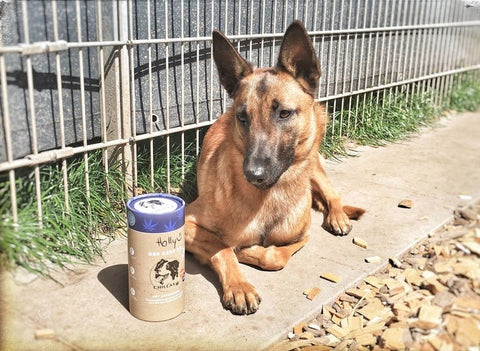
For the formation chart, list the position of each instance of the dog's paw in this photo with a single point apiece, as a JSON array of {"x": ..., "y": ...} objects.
[
  {"x": 337, "y": 223},
  {"x": 241, "y": 298}
]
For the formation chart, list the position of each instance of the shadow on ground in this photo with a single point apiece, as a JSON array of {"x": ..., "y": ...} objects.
[{"x": 115, "y": 279}]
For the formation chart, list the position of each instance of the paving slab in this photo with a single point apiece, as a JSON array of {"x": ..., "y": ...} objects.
[{"x": 90, "y": 310}]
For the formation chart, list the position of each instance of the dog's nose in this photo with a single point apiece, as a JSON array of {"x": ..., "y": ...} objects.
[{"x": 255, "y": 175}]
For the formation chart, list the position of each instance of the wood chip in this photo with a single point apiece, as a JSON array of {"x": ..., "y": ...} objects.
[
  {"x": 298, "y": 329},
  {"x": 306, "y": 335},
  {"x": 356, "y": 292},
  {"x": 373, "y": 259},
  {"x": 429, "y": 317},
  {"x": 373, "y": 309},
  {"x": 392, "y": 338},
  {"x": 405, "y": 203},
  {"x": 313, "y": 293},
  {"x": 472, "y": 246},
  {"x": 44, "y": 334},
  {"x": 366, "y": 339},
  {"x": 331, "y": 277},
  {"x": 395, "y": 262},
  {"x": 373, "y": 281},
  {"x": 360, "y": 242},
  {"x": 337, "y": 331}
]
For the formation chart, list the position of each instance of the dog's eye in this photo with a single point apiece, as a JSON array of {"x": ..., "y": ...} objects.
[
  {"x": 285, "y": 114},
  {"x": 242, "y": 118}
]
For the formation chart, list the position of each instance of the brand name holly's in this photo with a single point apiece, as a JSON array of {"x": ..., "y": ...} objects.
[{"x": 171, "y": 240}]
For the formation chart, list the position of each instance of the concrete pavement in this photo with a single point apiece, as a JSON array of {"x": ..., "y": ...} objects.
[{"x": 90, "y": 311}]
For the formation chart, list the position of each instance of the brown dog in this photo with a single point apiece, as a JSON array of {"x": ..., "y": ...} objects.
[{"x": 259, "y": 171}]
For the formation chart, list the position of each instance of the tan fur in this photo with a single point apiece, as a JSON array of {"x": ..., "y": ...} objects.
[{"x": 234, "y": 221}]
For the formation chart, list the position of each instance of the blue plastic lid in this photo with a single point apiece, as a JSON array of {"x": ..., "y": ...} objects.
[{"x": 155, "y": 213}]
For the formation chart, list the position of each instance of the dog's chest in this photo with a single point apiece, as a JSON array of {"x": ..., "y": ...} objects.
[{"x": 281, "y": 220}]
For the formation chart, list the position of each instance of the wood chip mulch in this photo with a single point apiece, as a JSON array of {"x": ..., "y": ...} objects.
[{"x": 427, "y": 300}]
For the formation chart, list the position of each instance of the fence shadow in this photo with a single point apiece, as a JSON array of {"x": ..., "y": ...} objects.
[{"x": 115, "y": 280}]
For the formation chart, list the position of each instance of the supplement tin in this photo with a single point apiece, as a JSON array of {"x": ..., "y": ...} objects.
[{"x": 156, "y": 256}]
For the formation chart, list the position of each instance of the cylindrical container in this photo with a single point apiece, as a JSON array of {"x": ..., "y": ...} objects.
[{"x": 156, "y": 256}]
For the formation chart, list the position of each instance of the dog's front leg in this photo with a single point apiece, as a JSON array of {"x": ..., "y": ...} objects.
[
  {"x": 239, "y": 295},
  {"x": 271, "y": 258},
  {"x": 328, "y": 201}
]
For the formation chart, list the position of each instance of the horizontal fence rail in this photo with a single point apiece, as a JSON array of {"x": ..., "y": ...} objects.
[{"x": 135, "y": 80}]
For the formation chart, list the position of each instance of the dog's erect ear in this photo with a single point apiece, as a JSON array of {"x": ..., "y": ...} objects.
[
  {"x": 297, "y": 57},
  {"x": 231, "y": 66}
]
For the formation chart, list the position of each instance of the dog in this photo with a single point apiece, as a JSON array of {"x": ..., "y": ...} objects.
[
  {"x": 164, "y": 269},
  {"x": 259, "y": 172}
]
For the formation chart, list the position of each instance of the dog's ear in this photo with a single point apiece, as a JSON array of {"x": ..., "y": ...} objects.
[
  {"x": 297, "y": 57},
  {"x": 231, "y": 66}
]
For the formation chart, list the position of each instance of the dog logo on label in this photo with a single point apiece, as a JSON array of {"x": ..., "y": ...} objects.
[{"x": 165, "y": 274}]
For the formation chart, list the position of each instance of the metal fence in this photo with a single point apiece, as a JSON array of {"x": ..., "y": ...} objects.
[{"x": 79, "y": 77}]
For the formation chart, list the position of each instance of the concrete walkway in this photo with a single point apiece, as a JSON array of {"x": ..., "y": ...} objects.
[{"x": 90, "y": 311}]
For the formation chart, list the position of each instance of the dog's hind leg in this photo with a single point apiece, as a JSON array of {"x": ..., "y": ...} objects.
[
  {"x": 239, "y": 295},
  {"x": 270, "y": 258},
  {"x": 326, "y": 199}
]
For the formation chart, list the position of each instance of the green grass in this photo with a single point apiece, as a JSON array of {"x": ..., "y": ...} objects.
[
  {"x": 68, "y": 233},
  {"x": 93, "y": 220},
  {"x": 388, "y": 118}
]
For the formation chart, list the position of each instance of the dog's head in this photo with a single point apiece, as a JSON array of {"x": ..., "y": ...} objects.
[{"x": 273, "y": 107}]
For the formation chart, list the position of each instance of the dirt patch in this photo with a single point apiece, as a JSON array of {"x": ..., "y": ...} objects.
[{"x": 428, "y": 299}]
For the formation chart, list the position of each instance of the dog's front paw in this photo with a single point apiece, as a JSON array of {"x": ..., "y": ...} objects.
[
  {"x": 241, "y": 298},
  {"x": 337, "y": 223}
]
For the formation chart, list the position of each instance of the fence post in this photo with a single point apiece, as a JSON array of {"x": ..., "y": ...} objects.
[{"x": 117, "y": 88}]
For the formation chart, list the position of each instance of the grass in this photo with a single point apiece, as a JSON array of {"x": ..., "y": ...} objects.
[
  {"x": 391, "y": 117},
  {"x": 70, "y": 230},
  {"x": 80, "y": 234}
]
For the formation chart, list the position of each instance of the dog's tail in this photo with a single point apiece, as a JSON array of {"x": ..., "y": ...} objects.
[{"x": 353, "y": 212}]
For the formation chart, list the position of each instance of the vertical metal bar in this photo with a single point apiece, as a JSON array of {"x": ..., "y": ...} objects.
[
  {"x": 274, "y": 28},
  {"x": 362, "y": 46},
  {"x": 453, "y": 50},
  {"x": 305, "y": 19},
  {"x": 182, "y": 90},
  {"x": 262, "y": 30},
  {"x": 102, "y": 94},
  {"x": 58, "y": 69},
  {"x": 34, "y": 140},
  {"x": 211, "y": 61},
  {"x": 382, "y": 55},
  {"x": 412, "y": 53},
  {"x": 375, "y": 52},
  {"x": 420, "y": 42},
  {"x": 389, "y": 50},
  {"x": 434, "y": 56},
  {"x": 82, "y": 97},
  {"x": 239, "y": 28},
  {"x": 332, "y": 27},
  {"x": 123, "y": 94},
  {"x": 250, "y": 51},
  {"x": 322, "y": 44},
  {"x": 347, "y": 53},
  {"x": 133, "y": 115},
  {"x": 8, "y": 141},
  {"x": 167, "y": 91},
  {"x": 222, "y": 92},
  {"x": 353, "y": 65},
  {"x": 402, "y": 55},
  {"x": 368, "y": 64},
  {"x": 442, "y": 48},
  {"x": 150, "y": 96},
  {"x": 197, "y": 87},
  {"x": 395, "y": 48}
]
